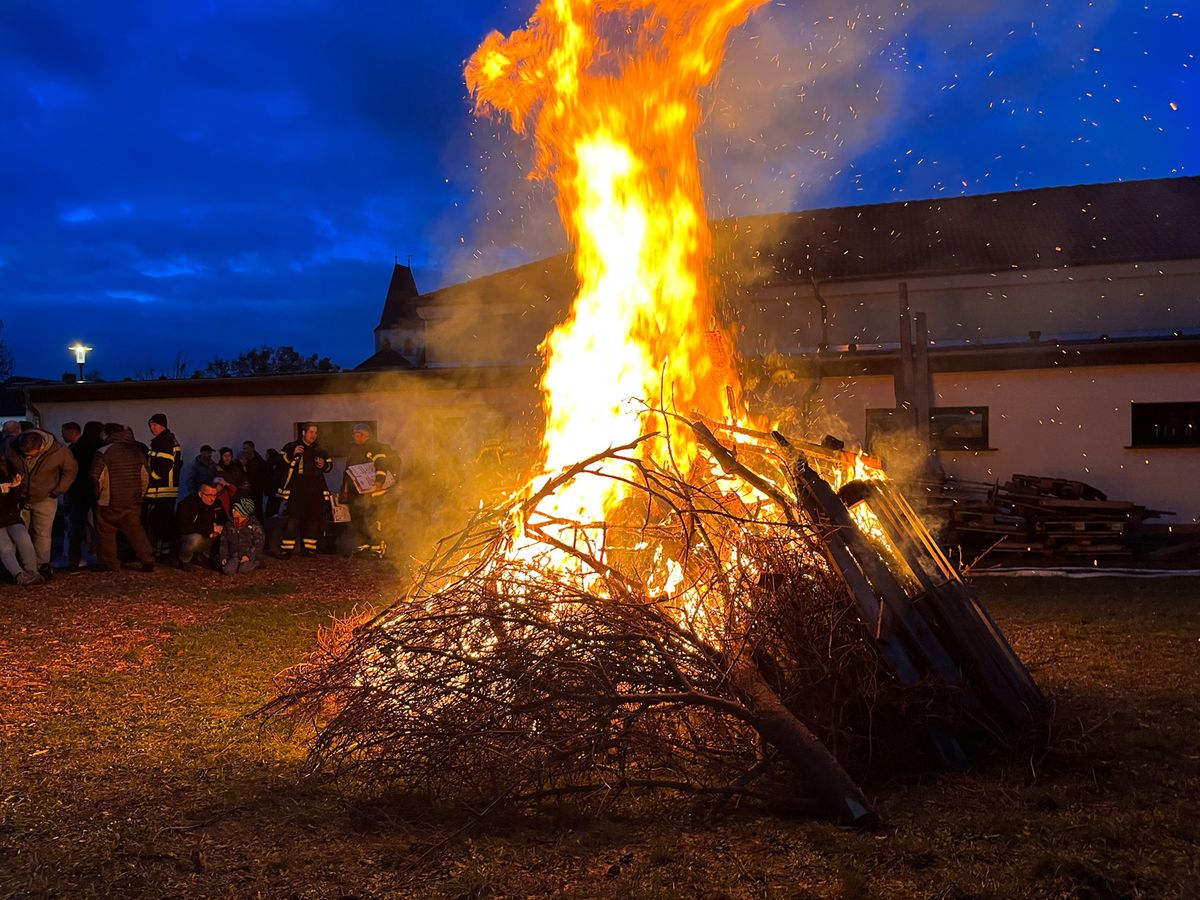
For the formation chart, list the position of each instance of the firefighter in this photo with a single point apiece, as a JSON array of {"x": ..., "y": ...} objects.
[
  {"x": 162, "y": 493},
  {"x": 364, "y": 494},
  {"x": 305, "y": 492}
]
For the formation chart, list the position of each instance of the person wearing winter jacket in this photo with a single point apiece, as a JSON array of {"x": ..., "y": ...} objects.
[
  {"x": 199, "y": 471},
  {"x": 256, "y": 473},
  {"x": 200, "y": 519},
  {"x": 242, "y": 541},
  {"x": 120, "y": 476},
  {"x": 47, "y": 469},
  {"x": 277, "y": 473},
  {"x": 367, "y": 457},
  {"x": 16, "y": 549},
  {"x": 166, "y": 463},
  {"x": 305, "y": 492}
]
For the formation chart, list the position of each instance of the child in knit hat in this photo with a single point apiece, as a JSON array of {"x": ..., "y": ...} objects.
[{"x": 242, "y": 540}]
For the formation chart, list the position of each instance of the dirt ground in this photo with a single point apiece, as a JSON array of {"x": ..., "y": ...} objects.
[{"x": 129, "y": 766}]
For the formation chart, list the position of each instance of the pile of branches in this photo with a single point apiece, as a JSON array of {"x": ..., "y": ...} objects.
[{"x": 502, "y": 678}]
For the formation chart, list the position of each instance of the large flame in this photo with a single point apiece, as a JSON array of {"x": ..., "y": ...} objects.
[{"x": 610, "y": 90}]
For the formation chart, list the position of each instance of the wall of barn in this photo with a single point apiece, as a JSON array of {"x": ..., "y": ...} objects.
[
  {"x": 1060, "y": 423},
  {"x": 456, "y": 443}
]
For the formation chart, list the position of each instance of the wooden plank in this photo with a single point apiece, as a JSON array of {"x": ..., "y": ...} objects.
[{"x": 983, "y": 649}]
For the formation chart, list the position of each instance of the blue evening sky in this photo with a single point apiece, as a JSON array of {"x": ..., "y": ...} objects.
[{"x": 191, "y": 179}]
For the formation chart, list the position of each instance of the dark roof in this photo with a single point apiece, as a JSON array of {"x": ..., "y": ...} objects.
[
  {"x": 13, "y": 395},
  {"x": 553, "y": 277},
  {"x": 387, "y": 358},
  {"x": 1132, "y": 221},
  {"x": 401, "y": 301}
]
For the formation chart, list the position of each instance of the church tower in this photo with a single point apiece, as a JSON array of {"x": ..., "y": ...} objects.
[{"x": 401, "y": 330}]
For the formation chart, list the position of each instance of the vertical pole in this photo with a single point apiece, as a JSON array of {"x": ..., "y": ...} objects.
[
  {"x": 922, "y": 386},
  {"x": 904, "y": 366}
]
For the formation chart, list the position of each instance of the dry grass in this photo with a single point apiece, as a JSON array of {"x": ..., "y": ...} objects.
[{"x": 128, "y": 767}]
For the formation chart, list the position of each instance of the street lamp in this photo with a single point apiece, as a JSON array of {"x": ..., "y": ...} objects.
[{"x": 81, "y": 352}]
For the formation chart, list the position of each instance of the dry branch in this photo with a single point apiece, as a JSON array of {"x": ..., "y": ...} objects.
[{"x": 528, "y": 664}]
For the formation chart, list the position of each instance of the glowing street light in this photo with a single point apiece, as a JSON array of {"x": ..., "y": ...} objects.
[{"x": 81, "y": 352}]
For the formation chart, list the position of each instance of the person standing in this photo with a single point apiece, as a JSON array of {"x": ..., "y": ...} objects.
[
  {"x": 305, "y": 492},
  {"x": 48, "y": 469},
  {"x": 9, "y": 432},
  {"x": 166, "y": 463},
  {"x": 232, "y": 470},
  {"x": 120, "y": 476},
  {"x": 81, "y": 496},
  {"x": 277, "y": 473},
  {"x": 16, "y": 549},
  {"x": 372, "y": 462},
  {"x": 199, "y": 471},
  {"x": 256, "y": 472}
]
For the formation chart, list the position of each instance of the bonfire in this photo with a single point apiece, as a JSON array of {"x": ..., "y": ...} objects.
[{"x": 679, "y": 597}]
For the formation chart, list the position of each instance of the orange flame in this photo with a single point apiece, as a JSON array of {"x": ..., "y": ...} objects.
[{"x": 610, "y": 90}]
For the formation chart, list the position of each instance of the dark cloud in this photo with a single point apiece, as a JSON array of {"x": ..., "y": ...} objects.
[{"x": 208, "y": 176}]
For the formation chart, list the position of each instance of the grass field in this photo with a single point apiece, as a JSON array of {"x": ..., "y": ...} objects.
[{"x": 129, "y": 767}]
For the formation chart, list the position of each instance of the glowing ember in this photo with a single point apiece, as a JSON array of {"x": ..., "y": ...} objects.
[{"x": 610, "y": 91}]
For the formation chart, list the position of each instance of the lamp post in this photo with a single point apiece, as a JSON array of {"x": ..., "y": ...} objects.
[{"x": 81, "y": 352}]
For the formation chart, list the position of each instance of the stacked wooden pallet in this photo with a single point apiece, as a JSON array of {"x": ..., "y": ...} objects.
[{"x": 1033, "y": 517}]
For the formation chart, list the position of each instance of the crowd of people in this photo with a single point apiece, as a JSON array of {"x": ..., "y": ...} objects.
[{"x": 124, "y": 499}]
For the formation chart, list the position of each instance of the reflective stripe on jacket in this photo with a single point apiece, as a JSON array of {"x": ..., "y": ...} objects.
[{"x": 166, "y": 461}]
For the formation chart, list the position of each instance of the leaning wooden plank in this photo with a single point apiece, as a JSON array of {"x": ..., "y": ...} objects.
[
  {"x": 876, "y": 616},
  {"x": 823, "y": 505},
  {"x": 982, "y": 650}
]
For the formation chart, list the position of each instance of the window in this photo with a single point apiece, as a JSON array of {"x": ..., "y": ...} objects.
[
  {"x": 1165, "y": 424},
  {"x": 336, "y": 437},
  {"x": 950, "y": 428}
]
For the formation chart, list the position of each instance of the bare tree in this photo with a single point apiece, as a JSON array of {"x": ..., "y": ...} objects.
[
  {"x": 267, "y": 361},
  {"x": 6, "y": 359}
]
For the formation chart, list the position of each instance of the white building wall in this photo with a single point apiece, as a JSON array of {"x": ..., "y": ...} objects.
[
  {"x": 437, "y": 431},
  {"x": 1059, "y": 423}
]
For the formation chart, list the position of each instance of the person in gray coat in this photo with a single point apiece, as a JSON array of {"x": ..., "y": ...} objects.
[
  {"x": 242, "y": 540},
  {"x": 48, "y": 468}
]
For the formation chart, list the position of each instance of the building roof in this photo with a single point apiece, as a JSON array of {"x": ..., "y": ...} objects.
[
  {"x": 401, "y": 301},
  {"x": 1046, "y": 228},
  {"x": 1133, "y": 221},
  {"x": 553, "y": 277},
  {"x": 13, "y": 396},
  {"x": 387, "y": 358}
]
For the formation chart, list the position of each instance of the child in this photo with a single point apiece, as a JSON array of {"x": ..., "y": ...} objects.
[
  {"x": 14, "y": 538},
  {"x": 242, "y": 540}
]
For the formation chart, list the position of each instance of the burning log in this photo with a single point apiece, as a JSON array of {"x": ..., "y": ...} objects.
[{"x": 700, "y": 640}]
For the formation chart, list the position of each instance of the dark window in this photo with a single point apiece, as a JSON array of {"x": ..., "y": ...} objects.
[
  {"x": 1165, "y": 424},
  {"x": 336, "y": 437},
  {"x": 950, "y": 428}
]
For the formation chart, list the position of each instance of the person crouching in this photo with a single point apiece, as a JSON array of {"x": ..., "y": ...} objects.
[
  {"x": 201, "y": 521},
  {"x": 242, "y": 540}
]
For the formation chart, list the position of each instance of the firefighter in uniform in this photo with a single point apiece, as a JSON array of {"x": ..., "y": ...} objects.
[
  {"x": 365, "y": 501},
  {"x": 158, "y": 510},
  {"x": 305, "y": 492}
]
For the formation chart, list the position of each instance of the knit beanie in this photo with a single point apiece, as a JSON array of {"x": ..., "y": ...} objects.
[
  {"x": 158, "y": 419},
  {"x": 245, "y": 506}
]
